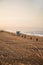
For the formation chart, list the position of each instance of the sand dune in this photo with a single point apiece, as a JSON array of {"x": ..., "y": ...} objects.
[{"x": 20, "y": 50}]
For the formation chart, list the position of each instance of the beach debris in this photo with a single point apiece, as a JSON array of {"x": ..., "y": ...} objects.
[
  {"x": 36, "y": 39},
  {"x": 31, "y": 38},
  {"x": 24, "y": 36}
]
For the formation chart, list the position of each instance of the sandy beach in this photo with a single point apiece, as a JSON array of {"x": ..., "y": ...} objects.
[{"x": 20, "y": 50}]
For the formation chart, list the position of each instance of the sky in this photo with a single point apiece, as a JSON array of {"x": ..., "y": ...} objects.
[{"x": 21, "y": 13}]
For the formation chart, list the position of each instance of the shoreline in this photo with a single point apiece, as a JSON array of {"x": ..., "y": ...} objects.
[
  {"x": 23, "y": 49},
  {"x": 27, "y": 33},
  {"x": 34, "y": 34},
  {"x": 14, "y": 32}
]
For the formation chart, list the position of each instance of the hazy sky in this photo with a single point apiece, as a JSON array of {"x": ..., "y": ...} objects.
[{"x": 21, "y": 13}]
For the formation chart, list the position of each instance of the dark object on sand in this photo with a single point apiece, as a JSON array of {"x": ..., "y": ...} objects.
[
  {"x": 21, "y": 35},
  {"x": 1, "y": 31},
  {"x": 31, "y": 38},
  {"x": 36, "y": 39},
  {"x": 24, "y": 36}
]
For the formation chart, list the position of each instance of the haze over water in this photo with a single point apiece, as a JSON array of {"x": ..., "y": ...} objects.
[{"x": 26, "y": 30}]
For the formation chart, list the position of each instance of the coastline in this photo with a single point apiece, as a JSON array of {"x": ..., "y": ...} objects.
[{"x": 20, "y": 49}]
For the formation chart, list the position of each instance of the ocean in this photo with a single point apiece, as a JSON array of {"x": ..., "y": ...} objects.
[{"x": 26, "y": 30}]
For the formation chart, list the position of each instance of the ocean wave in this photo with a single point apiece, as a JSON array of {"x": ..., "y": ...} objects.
[{"x": 33, "y": 34}]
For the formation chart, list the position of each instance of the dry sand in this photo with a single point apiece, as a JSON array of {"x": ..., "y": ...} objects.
[{"x": 20, "y": 50}]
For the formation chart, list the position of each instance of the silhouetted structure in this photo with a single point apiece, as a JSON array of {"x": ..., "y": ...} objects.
[{"x": 18, "y": 33}]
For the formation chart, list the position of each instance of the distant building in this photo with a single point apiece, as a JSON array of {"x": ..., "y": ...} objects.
[{"x": 17, "y": 32}]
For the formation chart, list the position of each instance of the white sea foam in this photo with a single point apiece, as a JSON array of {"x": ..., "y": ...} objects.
[{"x": 34, "y": 34}]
